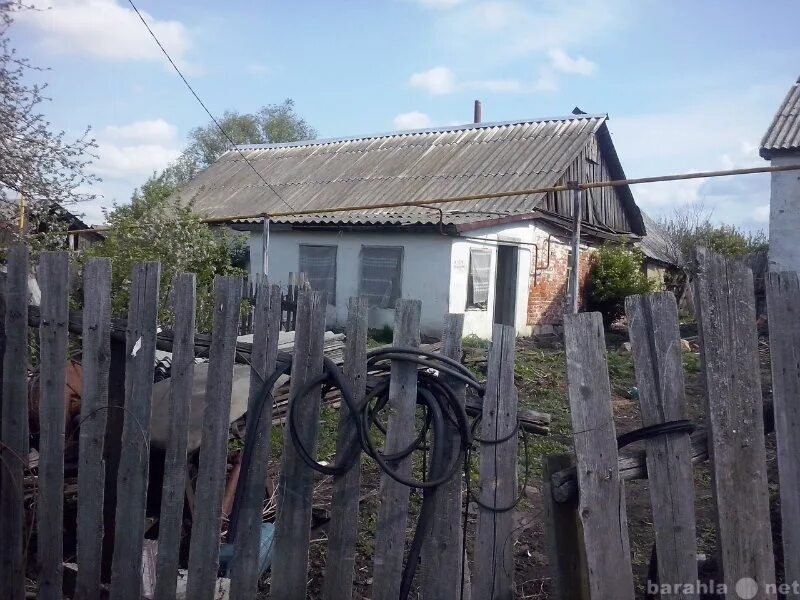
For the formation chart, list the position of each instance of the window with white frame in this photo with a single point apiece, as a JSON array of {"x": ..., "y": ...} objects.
[
  {"x": 381, "y": 274},
  {"x": 319, "y": 265},
  {"x": 480, "y": 261}
]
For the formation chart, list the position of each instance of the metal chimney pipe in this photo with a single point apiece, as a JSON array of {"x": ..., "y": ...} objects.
[{"x": 477, "y": 116}]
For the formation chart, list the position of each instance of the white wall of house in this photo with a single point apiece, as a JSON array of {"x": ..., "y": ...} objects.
[
  {"x": 425, "y": 271},
  {"x": 479, "y": 322},
  {"x": 784, "y": 216},
  {"x": 435, "y": 271}
]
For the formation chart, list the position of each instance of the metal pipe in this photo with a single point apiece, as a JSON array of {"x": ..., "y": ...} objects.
[
  {"x": 574, "y": 276},
  {"x": 477, "y": 114}
]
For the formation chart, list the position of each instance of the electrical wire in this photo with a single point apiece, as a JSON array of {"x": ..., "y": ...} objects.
[
  {"x": 208, "y": 112},
  {"x": 442, "y": 413}
]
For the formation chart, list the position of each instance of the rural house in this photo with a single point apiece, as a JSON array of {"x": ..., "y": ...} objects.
[
  {"x": 781, "y": 146},
  {"x": 504, "y": 259}
]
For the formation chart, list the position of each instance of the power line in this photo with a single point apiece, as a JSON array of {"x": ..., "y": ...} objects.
[{"x": 208, "y": 112}]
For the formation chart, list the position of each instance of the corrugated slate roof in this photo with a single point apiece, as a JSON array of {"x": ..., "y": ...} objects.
[
  {"x": 655, "y": 244},
  {"x": 784, "y": 132},
  {"x": 397, "y": 167}
]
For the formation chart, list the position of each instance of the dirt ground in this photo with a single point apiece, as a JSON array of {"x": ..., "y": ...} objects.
[{"x": 541, "y": 380}]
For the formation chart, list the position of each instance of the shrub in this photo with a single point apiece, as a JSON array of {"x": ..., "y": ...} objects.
[{"x": 617, "y": 272}]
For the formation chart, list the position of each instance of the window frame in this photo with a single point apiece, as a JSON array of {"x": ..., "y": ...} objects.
[
  {"x": 366, "y": 247},
  {"x": 331, "y": 299},
  {"x": 470, "y": 303}
]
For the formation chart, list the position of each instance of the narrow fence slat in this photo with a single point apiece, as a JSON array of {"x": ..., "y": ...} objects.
[
  {"x": 493, "y": 570},
  {"x": 95, "y": 361},
  {"x": 204, "y": 548},
  {"x": 567, "y": 556},
  {"x": 783, "y": 304},
  {"x": 729, "y": 346},
  {"x": 134, "y": 462},
  {"x": 267, "y": 318},
  {"x": 602, "y": 496},
  {"x": 53, "y": 275},
  {"x": 180, "y": 397},
  {"x": 343, "y": 528},
  {"x": 293, "y": 521},
  {"x": 393, "y": 509},
  {"x": 14, "y": 450},
  {"x": 442, "y": 553},
  {"x": 656, "y": 346}
]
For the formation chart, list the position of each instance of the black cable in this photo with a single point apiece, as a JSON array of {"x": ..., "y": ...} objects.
[
  {"x": 208, "y": 112},
  {"x": 679, "y": 426},
  {"x": 440, "y": 406}
]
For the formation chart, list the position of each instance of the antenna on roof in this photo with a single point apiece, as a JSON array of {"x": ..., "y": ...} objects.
[{"x": 477, "y": 113}]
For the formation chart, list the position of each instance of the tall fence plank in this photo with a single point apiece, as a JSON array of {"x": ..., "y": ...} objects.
[
  {"x": 180, "y": 397},
  {"x": 96, "y": 360},
  {"x": 53, "y": 335},
  {"x": 343, "y": 529},
  {"x": 14, "y": 450},
  {"x": 140, "y": 346},
  {"x": 602, "y": 496},
  {"x": 267, "y": 323},
  {"x": 729, "y": 346},
  {"x": 204, "y": 548},
  {"x": 442, "y": 552},
  {"x": 566, "y": 553},
  {"x": 493, "y": 571},
  {"x": 293, "y": 521},
  {"x": 393, "y": 509},
  {"x": 783, "y": 303},
  {"x": 656, "y": 346}
]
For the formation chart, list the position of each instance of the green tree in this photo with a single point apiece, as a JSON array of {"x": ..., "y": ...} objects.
[
  {"x": 617, "y": 272},
  {"x": 273, "y": 124},
  {"x": 155, "y": 228}
]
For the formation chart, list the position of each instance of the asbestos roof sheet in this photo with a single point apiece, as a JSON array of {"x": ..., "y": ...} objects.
[
  {"x": 784, "y": 132},
  {"x": 394, "y": 168},
  {"x": 655, "y": 244}
]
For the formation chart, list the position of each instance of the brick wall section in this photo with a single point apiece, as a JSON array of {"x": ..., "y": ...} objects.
[{"x": 547, "y": 297}]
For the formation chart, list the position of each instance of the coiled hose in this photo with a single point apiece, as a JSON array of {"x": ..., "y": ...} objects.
[{"x": 440, "y": 404}]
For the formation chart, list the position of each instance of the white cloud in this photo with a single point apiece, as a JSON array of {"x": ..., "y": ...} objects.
[
  {"x": 439, "y": 4},
  {"x": 412, "y": 120},
  {"x": 441, "y": 81},
  {"x": 106, "y": 30},
  {"x": 257, "y": 69},
  {"x": 561, "y": 61},
  {"x": 132, "y": 152},
  {"x": 437, "y": 81},
  {"x": 719, "y": 131}
]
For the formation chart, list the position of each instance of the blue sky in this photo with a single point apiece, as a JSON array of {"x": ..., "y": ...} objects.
[{"x": 689, "y": 85}]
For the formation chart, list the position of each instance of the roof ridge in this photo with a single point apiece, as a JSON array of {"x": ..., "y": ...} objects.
[{"x": 405, "y": 132}]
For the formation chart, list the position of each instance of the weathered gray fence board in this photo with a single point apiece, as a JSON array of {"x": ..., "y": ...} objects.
[
  {"x": 293, "y": 521},
  {"x": 343, "y": 527},
  {"x": 783, "y": 302},
  {"x": 181, "y": 375},
  {"x": 53, "y": 276},
  {"x": 95, "y": 361},
  {"x": 140, "y": 346},
  {"x": 567, "y": 556},
  {"x": 442, "y": 553},
  {"x": 602, "y": 496},
  {"x": 729, "y": 347},
  {"x": 14, "y": 450},
  {"x": 656, "y": 346},
  {"x": 493, "y": 570},
  {"x": 393, "y": 510},
  {"x": 267, "y": 322},
  {"x": 204, "y": 548}
]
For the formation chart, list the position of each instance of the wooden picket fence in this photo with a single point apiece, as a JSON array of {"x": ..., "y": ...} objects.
[
  {"x": 441, "y": 571},
  {"x": 296, "y": 283},
  {"x": 586, "y": 516}
]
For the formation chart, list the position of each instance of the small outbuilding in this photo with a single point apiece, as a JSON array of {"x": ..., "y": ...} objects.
[
  {"x": 502, "y": 259},
  {"x": 781, "y": 146}
]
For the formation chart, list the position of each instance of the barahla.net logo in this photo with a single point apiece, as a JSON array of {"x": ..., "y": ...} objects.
[{"x": 746, "y": 588}]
